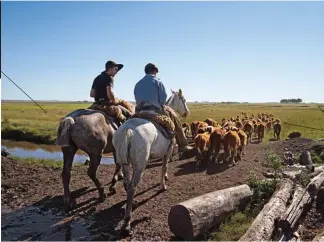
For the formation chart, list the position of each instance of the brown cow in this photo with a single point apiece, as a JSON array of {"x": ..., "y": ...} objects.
[
  {"x": 216, "y": 141},
  {"x": 243, "y": 141},
  {"x": 195, "y": 125},
  {"x": 255, "y": 126},
  {"x": 239, "y": 125},
  {"x": 186, "y": 128},
  {"x": 276, "y": 130},
  {"x": 202, "y": 143},
  {"x": 248, "y": 129},
  {"x": 211, "y": 122},
  {"x": 231, "y": 143},
  {"x": 193, "y": 128},
  {"x": 261, "y": 128}
]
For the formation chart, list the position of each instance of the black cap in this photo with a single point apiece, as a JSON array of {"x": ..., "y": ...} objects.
[
  {"x": 150, "y": 67},
  {"x": 110, "y": 64}
]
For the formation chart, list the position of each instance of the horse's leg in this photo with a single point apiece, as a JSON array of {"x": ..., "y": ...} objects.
[
  {"x": 126, "y": 171},
  {"x": 118, "y": 172},
  {"x": 68, "y": 155},
  {"x": 164, "y": 176},
  {"x": 131, "y": 188},
  {"x": 118, "y": 175},
  {"x": 92, "y": 173}
]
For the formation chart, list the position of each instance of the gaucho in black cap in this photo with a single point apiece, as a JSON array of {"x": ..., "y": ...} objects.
[{"x": 102, "y": 92}]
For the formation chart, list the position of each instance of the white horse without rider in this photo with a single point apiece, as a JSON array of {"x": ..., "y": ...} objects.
[{"x": 136, "y": 142}]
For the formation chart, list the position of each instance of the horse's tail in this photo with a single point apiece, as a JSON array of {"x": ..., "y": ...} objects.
[
  {"x": 123, "y": 149},
  {"x": 63, "y": 132}
]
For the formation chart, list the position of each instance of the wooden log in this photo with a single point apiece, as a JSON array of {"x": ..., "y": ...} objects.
[
  {"x": 290, "y": 217},
  {"x": 193, "y": 217},
  {"x": 302, "y": 200},
  {"x": 315, "y": 184},
  {"x": 263, "y": 225}
]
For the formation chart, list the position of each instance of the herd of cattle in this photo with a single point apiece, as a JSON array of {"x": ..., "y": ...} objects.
[{"x": 233, "y": 134}]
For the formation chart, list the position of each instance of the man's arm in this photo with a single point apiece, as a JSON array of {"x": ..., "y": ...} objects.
[
  {"x": 162, "y": 93},
  {"x": 92, "y": 92},
  {"x": 110, "y": 94},
  {"x": 110, "y": 90}
]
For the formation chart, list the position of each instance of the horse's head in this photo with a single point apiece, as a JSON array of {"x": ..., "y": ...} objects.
[{"x": 178, "y": 103}]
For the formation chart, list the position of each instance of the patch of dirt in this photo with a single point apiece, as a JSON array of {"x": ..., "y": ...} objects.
[
  {"x": 294, "y": 145},
  {"x": 26, "y": 186}
]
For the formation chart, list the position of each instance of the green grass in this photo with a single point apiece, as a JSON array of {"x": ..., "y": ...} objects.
[
  {"x": 43, "y": 162},
  {"x": 233, "y": 228},
  {"x": 26, "y": 121}
]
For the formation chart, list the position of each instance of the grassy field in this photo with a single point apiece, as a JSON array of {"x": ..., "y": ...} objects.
[{"x": 26, "y": 121}]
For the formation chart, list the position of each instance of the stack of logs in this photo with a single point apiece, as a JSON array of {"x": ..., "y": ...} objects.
[{"x": 194, "y": 217}]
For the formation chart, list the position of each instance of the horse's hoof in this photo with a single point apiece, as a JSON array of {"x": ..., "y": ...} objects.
[
  {"x": 163, "y": 188},
  {"x": 134, "y": 204},
  {"x": 69, "y": 206},
  {"x": 102, "y": 195},
  {"x": 112, "y": 190},
  {"x": 102, "y": 198},
  {"x": 127, "y": 230}
]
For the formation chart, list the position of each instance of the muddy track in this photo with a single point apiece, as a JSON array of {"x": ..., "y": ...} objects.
[{"x": 35, "y": 195}]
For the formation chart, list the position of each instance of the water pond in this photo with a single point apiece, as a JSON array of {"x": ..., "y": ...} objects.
[{"x": 28, "y": 149}]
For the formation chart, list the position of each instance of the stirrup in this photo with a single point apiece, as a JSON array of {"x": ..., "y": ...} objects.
[{"x": 185, "y": 148}]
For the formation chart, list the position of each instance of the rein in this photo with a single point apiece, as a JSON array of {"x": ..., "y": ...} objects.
[{"x": 171, "y": 98}]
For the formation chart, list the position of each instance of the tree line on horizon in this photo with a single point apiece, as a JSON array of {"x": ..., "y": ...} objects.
[{"x": 291, "y": 100}]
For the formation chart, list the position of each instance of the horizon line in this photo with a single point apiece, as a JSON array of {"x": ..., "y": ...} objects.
[{"x": 219, "y": 102}]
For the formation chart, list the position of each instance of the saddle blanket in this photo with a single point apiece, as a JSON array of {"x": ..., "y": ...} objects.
[{"x": 162, "y": 122}]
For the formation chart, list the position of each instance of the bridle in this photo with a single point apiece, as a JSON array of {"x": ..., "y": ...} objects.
[{"x": 182, "y": 99}]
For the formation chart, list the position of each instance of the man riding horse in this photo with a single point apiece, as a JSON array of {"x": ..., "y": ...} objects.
[
  {"x": 150, "y": 95},
  {"x": 105, "y": 100}
]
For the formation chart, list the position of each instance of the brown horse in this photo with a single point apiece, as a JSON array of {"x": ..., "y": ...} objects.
[{"x": 92, "y": 132}]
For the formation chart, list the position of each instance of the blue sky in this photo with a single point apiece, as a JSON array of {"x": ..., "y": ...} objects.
[{"x": 215, "y": 51}]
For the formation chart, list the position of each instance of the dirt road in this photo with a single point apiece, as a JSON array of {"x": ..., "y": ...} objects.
[{"x": 32, "y": 198}]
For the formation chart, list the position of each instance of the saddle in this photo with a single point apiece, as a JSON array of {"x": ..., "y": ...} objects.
[
  {"x": 113, "y": 120},
  {"x": 162, "y": 122}
]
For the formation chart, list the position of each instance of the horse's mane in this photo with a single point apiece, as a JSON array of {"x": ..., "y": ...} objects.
[{"x": 170, "y": 98}]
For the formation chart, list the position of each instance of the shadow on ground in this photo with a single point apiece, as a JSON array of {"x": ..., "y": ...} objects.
[{"x": 46, "y": 220}]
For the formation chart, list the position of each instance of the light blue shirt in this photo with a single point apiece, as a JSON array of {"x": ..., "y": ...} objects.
[{"x": 150, "y": 91}]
